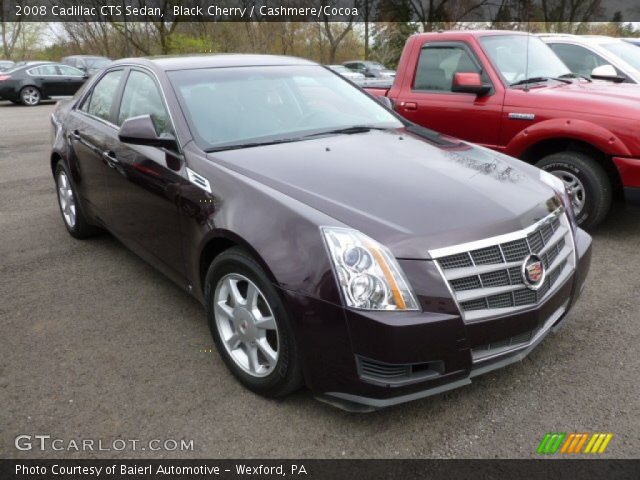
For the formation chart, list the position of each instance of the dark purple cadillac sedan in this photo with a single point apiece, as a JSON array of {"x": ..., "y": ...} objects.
[{"x": 332, "y": 243}]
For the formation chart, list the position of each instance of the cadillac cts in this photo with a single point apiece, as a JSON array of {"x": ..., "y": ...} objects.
[{"x": 332, "y": 243}]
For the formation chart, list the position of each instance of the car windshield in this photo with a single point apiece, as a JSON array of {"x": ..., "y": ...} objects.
[
  {"x": 626, "y": 51},
  {"x": 245, "y": 106},
  {"x": 97, "y": 62},
  {"x": 508, "y": 53}
]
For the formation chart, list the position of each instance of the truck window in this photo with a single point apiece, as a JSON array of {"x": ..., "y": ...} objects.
[{"x": 438, "y": 64}]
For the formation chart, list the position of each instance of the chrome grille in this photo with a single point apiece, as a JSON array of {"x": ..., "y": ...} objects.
[
  {"x": 457, "y": 261},
  {"x": 486, "y": 276},
  {"x": 486, "y": 256}
]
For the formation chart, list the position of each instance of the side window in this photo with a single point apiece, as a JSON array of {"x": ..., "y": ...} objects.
[
  {"x": 70, "y": 71},
  {"x": 142, "y": 97},
  {"x": 101, "y": 98},
  {"x": 44, "y": 70},
  {"x": 580, "y": 60},
  {"x": 438, "y": 64}
]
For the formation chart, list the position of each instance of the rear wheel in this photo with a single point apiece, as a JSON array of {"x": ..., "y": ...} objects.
[
  {"x": 586, "y": 181},
  {"x": 250, "y": 326},
  {"x": 30, "y": 96},
  {"x": 72, "y": 215}
]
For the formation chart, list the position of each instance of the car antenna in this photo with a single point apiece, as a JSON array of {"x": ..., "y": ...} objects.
[{"x": 526, "y": 58}]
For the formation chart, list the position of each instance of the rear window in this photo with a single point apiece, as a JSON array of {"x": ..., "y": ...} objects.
[{"x": 101, "y": 99}]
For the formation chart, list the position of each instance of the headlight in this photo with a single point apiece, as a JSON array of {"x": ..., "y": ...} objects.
[
  {"x": 368, "y": 275},
  {"x": 560, "y": 188}
]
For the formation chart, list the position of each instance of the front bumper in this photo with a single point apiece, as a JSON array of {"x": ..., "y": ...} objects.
[{"x": 369, "y": 360}]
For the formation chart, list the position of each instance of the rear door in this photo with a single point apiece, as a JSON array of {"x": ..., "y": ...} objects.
[
  {"x": 71, "y": 78},
  {"x": 144, "y": 182},
  {"x": 91, "y": 129},
  {"x": 47, "y": 79},
  {"x": 429, "y": 100}
]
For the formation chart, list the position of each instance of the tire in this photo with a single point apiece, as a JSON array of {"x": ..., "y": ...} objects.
[
  {"x": 70, "y": 209},
  {"x": 30, "y": 96},
  {"x": 593, "y": 190},
  {"x": 275, "y": 379}
]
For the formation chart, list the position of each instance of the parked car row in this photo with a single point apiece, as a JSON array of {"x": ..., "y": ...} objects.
[
  {"x": 29, "y": 83},
  {"x": 333, "y": 242},
  {"x": 370, "y": 69}
]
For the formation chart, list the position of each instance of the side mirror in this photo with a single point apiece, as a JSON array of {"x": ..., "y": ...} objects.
[
  {"x": 606, "y": 72},
  {"x": 140, "y": 131},
  {"x": 469, "y": 82},
  {"x": 386, "y": 102}
]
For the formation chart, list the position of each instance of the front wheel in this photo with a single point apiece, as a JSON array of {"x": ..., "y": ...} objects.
[
  {"x": 587, "y": 182},
  {"x": 250, "y": 326},
  {"x": 30, "y": 96}
]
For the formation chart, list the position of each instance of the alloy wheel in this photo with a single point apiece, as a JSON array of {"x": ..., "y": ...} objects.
[
  {"x": 67, "y": 200},
  {"x": 246, "y": 325},
  {"x": 575, "y": 188},
  {"x": 31, "y": 96}
]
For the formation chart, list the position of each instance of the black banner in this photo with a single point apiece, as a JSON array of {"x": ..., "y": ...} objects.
[
  {"x": 316, "y": 469},
  {"x": 427, "y": 12}
]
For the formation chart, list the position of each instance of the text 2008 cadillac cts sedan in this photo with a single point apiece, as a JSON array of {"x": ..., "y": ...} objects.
[{"x": 332, "y": 243}]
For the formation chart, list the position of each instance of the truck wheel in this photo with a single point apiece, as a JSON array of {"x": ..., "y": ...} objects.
[
  {"x": 250, "y": 326},
  {"x": 587, "y": 182}
]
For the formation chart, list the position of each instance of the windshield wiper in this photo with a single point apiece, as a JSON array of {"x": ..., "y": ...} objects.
[
  {"x": 347, "y": 130},
  {"x": 238, "y": 146},
  {"x": 538, "y": 80}
]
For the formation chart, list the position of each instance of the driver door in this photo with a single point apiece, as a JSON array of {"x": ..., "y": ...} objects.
[
  {"x": 430, "y": 102},
  {"x": 143, "y": 182}
]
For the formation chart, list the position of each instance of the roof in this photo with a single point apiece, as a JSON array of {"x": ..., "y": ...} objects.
[
  {"x": 472, "y": 33},
  {"x": 85, "y": 56},
  {"x": 580, "y": 39},
  {"x": 168, "y": 63}
]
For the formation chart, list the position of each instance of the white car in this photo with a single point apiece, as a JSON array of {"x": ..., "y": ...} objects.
[
  {"x": 597, "y": 57},
  {"x": 346, "y": 73}
]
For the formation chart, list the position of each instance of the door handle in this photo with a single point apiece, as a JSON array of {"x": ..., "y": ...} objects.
[
  {"x": 410, "y": 105},
  {"x": 75, "y": 135},
  {"x": 110, "y": 158}
]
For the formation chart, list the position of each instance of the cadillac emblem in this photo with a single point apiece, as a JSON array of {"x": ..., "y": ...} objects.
[{"x": 533, "y": 272}]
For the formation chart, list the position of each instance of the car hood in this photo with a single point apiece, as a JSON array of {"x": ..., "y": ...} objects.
[
  {"x": 402, "y": 190},
  {"x": 620, "y": 100}
]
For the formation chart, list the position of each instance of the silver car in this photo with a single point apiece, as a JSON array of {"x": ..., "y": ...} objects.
[
  {"x": 347, "y": 73},
  {"x": 596, "y": 56}
]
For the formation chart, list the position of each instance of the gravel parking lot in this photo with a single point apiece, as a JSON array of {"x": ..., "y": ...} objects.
[{"x": 97, "y": 345}]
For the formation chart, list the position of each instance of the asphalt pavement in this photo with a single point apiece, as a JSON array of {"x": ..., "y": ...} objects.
[{"x": 97, "y": 345}]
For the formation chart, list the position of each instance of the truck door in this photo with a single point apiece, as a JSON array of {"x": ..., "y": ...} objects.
[{"x": 429, "y": 101}]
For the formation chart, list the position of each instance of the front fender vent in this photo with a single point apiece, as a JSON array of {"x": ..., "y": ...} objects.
[{"x": 198, "y": 180}]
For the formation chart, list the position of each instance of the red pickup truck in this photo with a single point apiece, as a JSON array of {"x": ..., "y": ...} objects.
[{"x": 483, "y": 87}]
